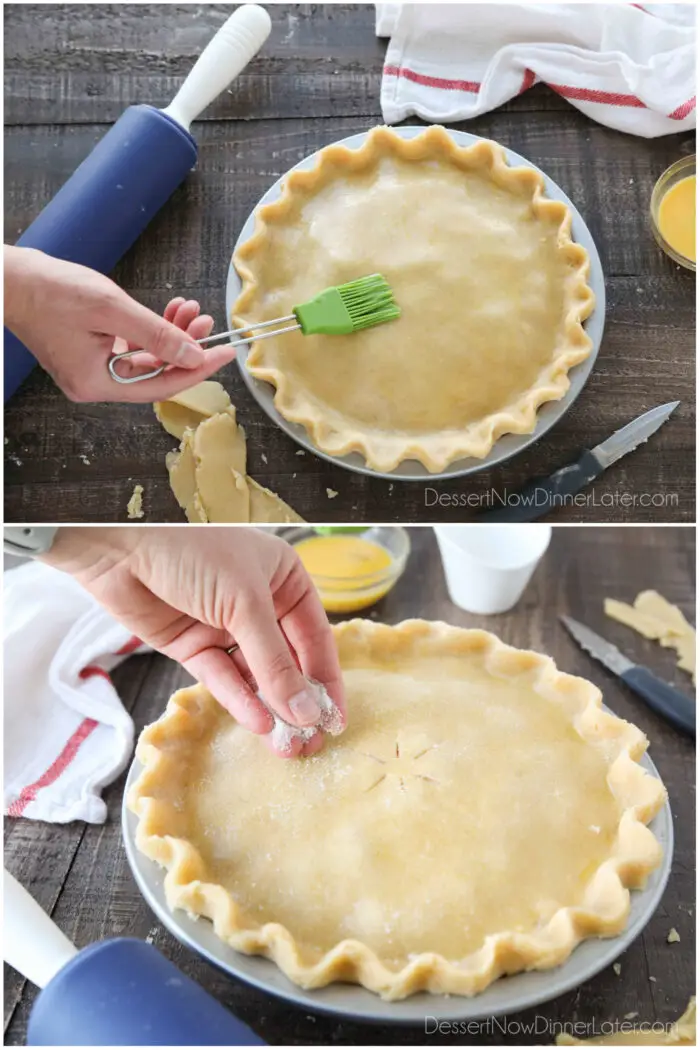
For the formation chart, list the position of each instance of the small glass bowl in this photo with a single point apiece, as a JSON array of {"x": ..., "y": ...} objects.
[
  {"x": 682, "y": 169},
  {"x": 349, "y": 595}
]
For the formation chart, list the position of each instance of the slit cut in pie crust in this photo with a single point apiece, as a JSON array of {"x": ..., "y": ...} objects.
[
  {"x": 493, "y": 293},
  {"x": 481, "y": 815}
]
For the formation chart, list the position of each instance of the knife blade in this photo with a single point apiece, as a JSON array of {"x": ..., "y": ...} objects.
[
  {"x": 541, "y": 495},
  {"x": 670, "y": 703}
]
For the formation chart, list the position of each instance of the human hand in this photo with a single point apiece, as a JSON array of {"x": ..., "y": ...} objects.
[
  {"x": 192, "y": 594},
  {"x": 73, "y": 319}
]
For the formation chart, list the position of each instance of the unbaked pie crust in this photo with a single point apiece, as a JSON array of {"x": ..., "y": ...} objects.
[
  {"x": 481, "y": 815},
  {"x": 492, "y": 289}
]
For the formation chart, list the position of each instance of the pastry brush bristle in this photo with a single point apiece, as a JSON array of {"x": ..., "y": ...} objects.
[{"x": 369, "y": 301}]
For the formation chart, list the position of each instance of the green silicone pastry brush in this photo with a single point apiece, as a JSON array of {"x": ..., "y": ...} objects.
[
  {"x": 348, "y": 308},
  {"x": 363, "y": 303},
  {"x": 336, "y": 311}
]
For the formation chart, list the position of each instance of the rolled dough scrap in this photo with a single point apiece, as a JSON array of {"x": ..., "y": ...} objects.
[
  {"x": 221, "y": 443},
  {"x": 266, "y": 508},
  {"x": 219, "y": 454},
  {"x": 209, "y": 481},
  {"x": 191, "y": 407},
  {"x": 682, "y": 1033},
  {"x": 134, "y": 507},
  {"x": 181, "y": 467},
  {"x": 655, "y": 618},
  {"x": 223, "y": 496}
]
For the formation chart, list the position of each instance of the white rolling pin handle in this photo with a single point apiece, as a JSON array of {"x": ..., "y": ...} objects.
[
  {"x": 32, "y": 942},
  {"x": 236, "y": 43}
]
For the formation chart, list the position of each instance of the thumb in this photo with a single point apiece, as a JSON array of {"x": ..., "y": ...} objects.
[{"x": 129, "y": 320}]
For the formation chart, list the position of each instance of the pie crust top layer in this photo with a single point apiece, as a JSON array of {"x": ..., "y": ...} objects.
[
  {"x": 492, "y": 289},
  {"x": 480, "y": 815}
]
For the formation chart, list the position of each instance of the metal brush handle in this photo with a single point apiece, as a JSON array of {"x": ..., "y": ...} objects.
[{"x": 115, "y": 358}]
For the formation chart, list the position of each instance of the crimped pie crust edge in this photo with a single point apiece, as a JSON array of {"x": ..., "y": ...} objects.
[
  {"x": 605, "y": 906},
  {"x": 382, "y": 451}
]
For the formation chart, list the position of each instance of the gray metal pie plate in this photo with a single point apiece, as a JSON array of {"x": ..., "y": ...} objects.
[
  {"x": 505, "y": 996},
  {"x": 507, "y": 446}
]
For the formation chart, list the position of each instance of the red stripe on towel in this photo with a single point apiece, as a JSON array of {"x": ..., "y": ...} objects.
[
  {"x": 684, "y": 110},
  {"x": 91, "y": 671},
  {"x": 528, "y": 80},
  {"x": 607, "y": 98},
  {"x": 29, "y": 793},
  {"x": 131, "y": 646},
  {"x": 471, "y": 86}
]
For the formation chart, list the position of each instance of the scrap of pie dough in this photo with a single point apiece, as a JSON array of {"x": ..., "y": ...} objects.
[
  {"x": 220, "y": 460},
  {"x": 220, "y": 442},
  {"x": 207, "y": 475},
  {"x": 187, "y": 410},
  {"x": 682, "y": 1033},
  {"x": 208, "y": 472},
  {"x": 653, "y": 617},
  {"x": 134, "y": 507},
  {"x": 266, "y": 508},
  {"x": 181, "y": 468}
]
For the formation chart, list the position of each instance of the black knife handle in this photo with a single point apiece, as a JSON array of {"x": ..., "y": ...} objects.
[
  {"x": 674, "y": 706},
  {"x": 537, "y": 498}
]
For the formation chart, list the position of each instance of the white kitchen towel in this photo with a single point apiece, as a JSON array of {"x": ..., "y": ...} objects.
[
  {"x": 67, "y": 734},
  {"x": 628, "y": 66}
]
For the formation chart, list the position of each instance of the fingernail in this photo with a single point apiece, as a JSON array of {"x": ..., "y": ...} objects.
[
  {"x": 305, "y": 709},
  {"x": 189, "y": 356}
]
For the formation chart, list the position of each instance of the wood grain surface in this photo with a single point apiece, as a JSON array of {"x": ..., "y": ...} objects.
[
  {"x": 81, "y": 877},
  {"x": 317, "y": 80}
]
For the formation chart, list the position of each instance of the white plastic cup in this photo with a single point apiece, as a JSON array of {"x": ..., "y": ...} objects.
[{"x": 487, "y": 567}]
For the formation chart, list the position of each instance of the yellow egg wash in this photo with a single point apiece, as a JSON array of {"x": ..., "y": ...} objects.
[
  {"x": 677, "y": 217},
  {"x": 349, "y": 571}
]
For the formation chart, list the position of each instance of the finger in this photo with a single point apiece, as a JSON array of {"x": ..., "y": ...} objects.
[
  {"x": 171, "y": 382},
  {"x": 218, "y": 673},
  {"x": 244, "y": 670},
  {"x": 172, "y": 308},
  {"x": 138, "y": 364},
  {"x": 293, "y": 747},
  {"x": 201, "y": 327},
  {"x": 169, "y": 315},
  {"x": 292, "y": 750},
  {"x": 126, "y": 318},
  {"x": 308, "y": 631},
  {"x": 313, "y": 745},
  {"x": 186, "y": 314},
  {"x": 269, "y": 657}
]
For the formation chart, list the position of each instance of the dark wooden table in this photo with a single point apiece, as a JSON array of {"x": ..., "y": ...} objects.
[
  {"x": 80, "y": 875},
  {"x": 317, "y": 80}
]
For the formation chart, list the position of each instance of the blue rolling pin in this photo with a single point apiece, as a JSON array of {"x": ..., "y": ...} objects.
[
  {"x": 99, "y": 213},
  {"x": 113, "y": 993}
]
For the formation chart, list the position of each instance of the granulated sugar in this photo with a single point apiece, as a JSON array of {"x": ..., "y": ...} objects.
[{"x": 283, "y": 734}]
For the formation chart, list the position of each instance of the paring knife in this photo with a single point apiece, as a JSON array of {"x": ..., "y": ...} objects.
[
  {"x": 544, "y": 494},
  {"x": 674, "y": 706}
]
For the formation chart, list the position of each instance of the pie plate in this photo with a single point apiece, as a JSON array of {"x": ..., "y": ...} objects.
[
  {"x": 506, "y": 446},
  {"x": 505, "y": 996}
]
